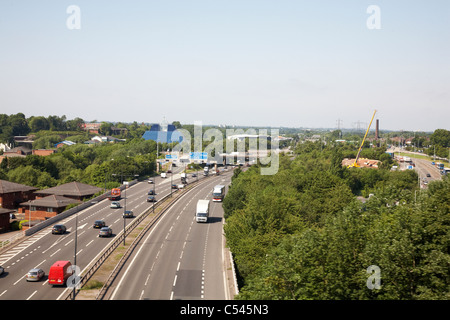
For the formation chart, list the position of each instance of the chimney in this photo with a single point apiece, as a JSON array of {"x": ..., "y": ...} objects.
[{"x": 377, "y": 128}]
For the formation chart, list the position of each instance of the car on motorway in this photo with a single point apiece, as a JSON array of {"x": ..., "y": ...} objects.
[
  {"x": 150, "y": 181},
  {"x": 99, "y": 224},
  {"x": 128, "y": 214},
  {"x": 428, "y": 175},
  {"x": 151, "y": 192},
  {"x": 59, "y": 272},
  {"x": 2, "y": 270},
  {"x": 115, "y": 205},
  {"x": 174, "y": 186},
  {"x": 180, "y": 186},
  {"x": 59, "y": 229},
  {"x": 105, "y": 232},
  {"x": 193, "y": 175},
  {"x": 151, "y": 199},
  {"x": 35, "y": 274}
]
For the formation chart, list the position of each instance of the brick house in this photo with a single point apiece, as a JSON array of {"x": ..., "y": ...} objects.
[
  {"x": 43, "y": 152},
  {"x": 91, "y": 127},
  {"x": 46, "y": 207},
  {"x": 74, "y": 190},
  {"x": 12, "y": 194},
  {"x": 4, "y": 219}
]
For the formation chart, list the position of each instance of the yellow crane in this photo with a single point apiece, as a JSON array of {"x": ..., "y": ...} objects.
[{"x": 355, "y": 164}]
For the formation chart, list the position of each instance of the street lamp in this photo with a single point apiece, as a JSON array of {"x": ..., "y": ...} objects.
[{"x": 124, "y": 209}]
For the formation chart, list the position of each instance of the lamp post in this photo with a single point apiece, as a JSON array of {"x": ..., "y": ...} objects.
[
  {"x": 171, "y": 174},
  {"x": 124, "y": 210},
  {"x": 29, "y": 220},
  {"x": 75, "y": 251}
]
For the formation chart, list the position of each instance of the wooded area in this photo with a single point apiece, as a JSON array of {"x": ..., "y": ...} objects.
[{"x": 303, "y": 234}]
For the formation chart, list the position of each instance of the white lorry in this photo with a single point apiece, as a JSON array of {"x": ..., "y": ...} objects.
[
  {"x": 218, "y": 193},
  {"x": 202, "y": 213}
]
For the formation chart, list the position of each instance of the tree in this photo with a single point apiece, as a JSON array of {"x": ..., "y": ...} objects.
[
  {"x": 105, "y": 128},
  {"x": 440, "y": 137},
  {"x": 38, "y": 123}
]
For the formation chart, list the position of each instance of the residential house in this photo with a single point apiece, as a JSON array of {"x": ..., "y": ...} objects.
[
  {"x": 46, "y": 207},
  {"x": 74, "y": 190},
  {"x": 43, "y": 152},
  {"x": 64, "y": 143},
  {"x": 4, "y": 219},
  {"x": 12, "y": 194},
  {"x": 91, "y": 127}
]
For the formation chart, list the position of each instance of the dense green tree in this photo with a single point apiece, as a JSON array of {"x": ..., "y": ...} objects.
[
  {"x": 301, "y": 234},
  {"x": 441, "y": 137}
]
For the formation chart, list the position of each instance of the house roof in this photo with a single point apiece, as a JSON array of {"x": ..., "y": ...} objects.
[
  {"x": 18, "y": 150},
  {"x": 52, "y": 201},
  {"x": 4, "y": 210},
  {"x": 66, "y": 142},
  {"x": 9, "y": 187},
  {"x": 75, "y": 188}
]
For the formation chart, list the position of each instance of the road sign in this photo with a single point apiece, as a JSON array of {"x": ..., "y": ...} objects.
[
  {"x": 171, "y": 157},
  {"x": 198, "y": 155}
]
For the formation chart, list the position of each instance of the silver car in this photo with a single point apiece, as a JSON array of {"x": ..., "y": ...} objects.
[
  {"x": 105, "y": 232},
  {"x": 35, "y": 274},
  {"x": 115, "y": 205}
]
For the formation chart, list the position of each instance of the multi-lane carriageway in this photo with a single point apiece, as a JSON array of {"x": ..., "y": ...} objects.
[{"x": 178, "y": 259}]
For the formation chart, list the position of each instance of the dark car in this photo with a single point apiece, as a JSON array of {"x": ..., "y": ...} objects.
[
  {"x": 128, "y": 214},
  {"x": 428, "y": 175},
  {"x": 151, "y": 199},
  {"x": 174, "y": 186},
  {"x": 99, "y": 224},
  {"x": 151, "y": 192},
  {"x": 105, "y": 232},
  {"x": 59, "y": 229}
]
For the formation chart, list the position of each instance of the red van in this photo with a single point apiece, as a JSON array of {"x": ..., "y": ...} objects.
[{"x": 59, "y": 273}]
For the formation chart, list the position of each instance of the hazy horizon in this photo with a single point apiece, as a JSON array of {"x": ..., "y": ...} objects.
[{"x": 266, "y": 63}]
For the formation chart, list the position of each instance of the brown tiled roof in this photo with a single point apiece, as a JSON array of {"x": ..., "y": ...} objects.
[
  {"x": 9, "y": 187},
  {"x": 52, "y": 201},
  {"x": 76, "y": 189}
]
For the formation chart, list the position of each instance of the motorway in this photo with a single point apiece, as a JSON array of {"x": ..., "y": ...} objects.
[
  {"x": 179, "y": 258},
  {"x": 42, "y": 249}
]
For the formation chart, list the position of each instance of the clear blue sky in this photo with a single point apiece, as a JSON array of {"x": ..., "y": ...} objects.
[{"x": 245, "y": 62}]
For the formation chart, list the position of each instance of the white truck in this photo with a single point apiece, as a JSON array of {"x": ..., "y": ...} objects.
[
  {"x": 218, "y": 193},
  {"x": 202, "y": 213}
]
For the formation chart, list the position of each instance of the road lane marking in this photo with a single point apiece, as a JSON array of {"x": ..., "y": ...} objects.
[
  {"x": 31, "y": 295},
  {"x": 55, "y": 252},
  {"x": 89, "y": 243}
]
